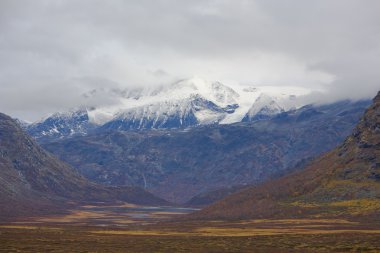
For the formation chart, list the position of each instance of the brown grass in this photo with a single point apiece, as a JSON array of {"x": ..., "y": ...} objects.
[{"x": 92, "y": 229}]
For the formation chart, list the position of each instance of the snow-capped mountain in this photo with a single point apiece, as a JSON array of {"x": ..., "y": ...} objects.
[
  {"x": 169, "y": 114},
  {"x": 227, "y": 104},
  {"x": 185, "y": 103},
  {"x": 257, "y": 103},
  {"x": 267, "y": 106},
  {"x": 263, "y": 108},
  {"x": 60, "y": 125}
]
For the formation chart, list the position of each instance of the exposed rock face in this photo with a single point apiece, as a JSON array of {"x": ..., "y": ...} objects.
[
  {"x": 179, "y": 164},
  {"x": 61, "y": 125},
  {"x": 32, "y": 179},
  {"x": 344, "y": 182}
]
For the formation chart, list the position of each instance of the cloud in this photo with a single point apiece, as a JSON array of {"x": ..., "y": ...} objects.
[{"x": 52, "y": 52}]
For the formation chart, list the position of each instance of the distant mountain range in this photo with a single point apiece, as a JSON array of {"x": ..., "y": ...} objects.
[
  {"x": 177, "y": 164},
  {"x": 190, "y": 102},
  {"x": 32, "y": 181},
  {"x": 145, "y": 147},
  {"x": 344, "y": 182},
  {"x": 194, "y": 136}
]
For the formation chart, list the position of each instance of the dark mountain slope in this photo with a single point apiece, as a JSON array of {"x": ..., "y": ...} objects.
[
  {"x": 209, "y": 197},
  {"x": 179, "y": 164},
  {"x": 31, "y": 177},
  {"x": 343, "y": 182}
]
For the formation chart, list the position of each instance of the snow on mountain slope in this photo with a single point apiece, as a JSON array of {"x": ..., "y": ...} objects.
[
  {"x": 267, "y": 105},
  {"x": 61, "y": 124},
  {"x": 235, "y": 102},
  {"x": 265, "y": 100},
  {"x": 168, "y": 114},
  {"x": 215, "y": 92},
  {"x": 188, "y": 102},
  {"x": 184, "y": 103},
  {"x": 264, "y": 106}
]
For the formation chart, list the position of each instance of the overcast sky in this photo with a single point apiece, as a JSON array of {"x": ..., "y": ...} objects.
[{"x": 52, "y": 51}]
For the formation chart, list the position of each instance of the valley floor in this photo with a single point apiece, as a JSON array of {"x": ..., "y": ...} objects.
[{"x": 129, "y": 228}]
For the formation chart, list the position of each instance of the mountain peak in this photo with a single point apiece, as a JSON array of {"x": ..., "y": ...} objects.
[{"x": 62, "y": 124}]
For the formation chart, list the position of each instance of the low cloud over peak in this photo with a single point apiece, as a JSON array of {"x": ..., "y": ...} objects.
[{"x": 52, "y": 52}]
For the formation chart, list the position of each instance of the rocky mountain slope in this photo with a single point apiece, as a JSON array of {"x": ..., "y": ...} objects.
[
  {"x": 344, "y": 182},
  {"x": 31, "y": 178},
  {"x": 181, "y": 163},
  {"x": 60, "y": 125}
]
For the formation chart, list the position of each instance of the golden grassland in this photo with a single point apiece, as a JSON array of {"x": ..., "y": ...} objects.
[
  {"x": 191, "y": 237},
  {"x": 360, "y": 206},
  {"x": 292, "y": 235},
  {"x": 91, "y": 214},
  {"x": 356, "y": 207},
  {"x": 90, "y": 229},
  {"x": 299, "y": 221}
]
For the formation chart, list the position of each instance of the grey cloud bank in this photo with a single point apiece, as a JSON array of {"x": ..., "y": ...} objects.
[{"x": 51, "y": 52}]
